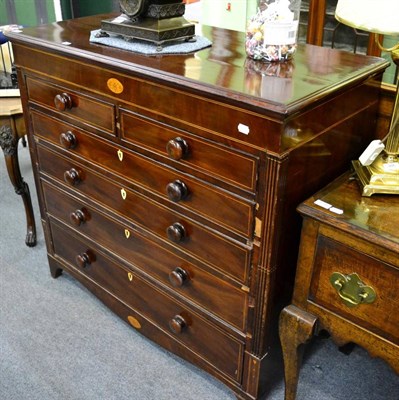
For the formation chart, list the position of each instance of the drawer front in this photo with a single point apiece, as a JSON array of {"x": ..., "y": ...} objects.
[
  {"x": 179, "y": 232},
  {"x": 235, "y": 168},
  {"x": 184, "y": 278},
  {"x": 73, "y": 104},
  {"x": 380, "y": 316},
  {"x": 187, "y": 327},
  {"x": 184, "y": 190}
]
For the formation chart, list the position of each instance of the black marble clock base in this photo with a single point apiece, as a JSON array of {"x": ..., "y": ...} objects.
[{"x": 157, "y": 31}]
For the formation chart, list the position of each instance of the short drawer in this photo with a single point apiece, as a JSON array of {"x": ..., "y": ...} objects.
[
  {"x": 234, "y": 167},
  {"x": 380, "y": 316},
  {"x": 72, "y": 104},
  {"x": 187, "y": 327},
  {"x": 179, "y": 232},
  {"x": 185, "y": 191},
  {"x": 183, "y": 277}
]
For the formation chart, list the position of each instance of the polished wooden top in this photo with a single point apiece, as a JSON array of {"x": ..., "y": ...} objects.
[
  {"x": 222, "y": 70},
  {"x": 374, "y": 218}
]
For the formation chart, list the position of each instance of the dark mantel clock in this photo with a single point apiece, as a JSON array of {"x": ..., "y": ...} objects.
[{"x": 156, "y": 21}]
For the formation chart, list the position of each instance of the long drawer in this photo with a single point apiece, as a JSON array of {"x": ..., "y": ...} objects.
[
  {"x": 177, "y": 231},
  {"x": 184, "y": 278},
  {"x": 182, "y": 189},
  {"x": 200, "y": 336}
]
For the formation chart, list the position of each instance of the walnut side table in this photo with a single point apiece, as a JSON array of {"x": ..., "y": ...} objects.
[
  {"x": 12, "y": 128},
  {"x": 347, "y": 277}
]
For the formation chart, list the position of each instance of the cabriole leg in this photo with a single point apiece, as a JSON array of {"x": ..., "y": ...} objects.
[
  {"x": 9, "y": 144},
  {"x": 296, "y": 327}
]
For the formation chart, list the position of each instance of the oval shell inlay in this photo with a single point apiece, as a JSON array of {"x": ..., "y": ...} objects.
[
  {"x": 115, "y": 86},
  {"x": 134, "y": 322}
]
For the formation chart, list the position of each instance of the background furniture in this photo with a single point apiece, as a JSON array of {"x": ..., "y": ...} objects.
[
  {"x": 319, "y": 26},
  {"x": 12, "y": 129},
  {"x": 347, "y": 277},
  {"x": 168, "y": 185}
]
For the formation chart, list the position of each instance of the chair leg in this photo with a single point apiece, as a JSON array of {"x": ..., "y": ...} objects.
[{"x": 9, "y": 144}]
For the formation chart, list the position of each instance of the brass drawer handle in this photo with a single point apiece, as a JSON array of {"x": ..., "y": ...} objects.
[{"x": 352, "y": 290}]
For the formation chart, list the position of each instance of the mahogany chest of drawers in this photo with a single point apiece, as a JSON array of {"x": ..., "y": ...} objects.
[
  {"x": 168, "y": 184},
  {"x": 347, "y": 277}
]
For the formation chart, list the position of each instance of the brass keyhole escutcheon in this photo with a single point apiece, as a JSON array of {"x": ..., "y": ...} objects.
[
  {"x": 123, "y": 194},
  {"x": 130, "y": 276},
  {"x": 120, "y": 155},
  {"x": 127, "y": 233},
  {"x": 352, "y": 290}
]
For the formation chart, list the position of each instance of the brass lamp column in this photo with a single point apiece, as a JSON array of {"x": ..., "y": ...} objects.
[
  {"x": 156, "y": 21},
  {"x": 380, "y": 17}
]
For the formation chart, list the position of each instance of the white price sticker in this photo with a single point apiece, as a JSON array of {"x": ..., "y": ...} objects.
[
  {"x": 244, "y": 129},
  {"x": 280, "y": 33}
]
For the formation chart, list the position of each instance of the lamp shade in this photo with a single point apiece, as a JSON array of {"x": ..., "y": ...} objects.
[{"x": 378, "y": 16}]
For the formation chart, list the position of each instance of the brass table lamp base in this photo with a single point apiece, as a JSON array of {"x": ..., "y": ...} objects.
[
  {"x": 382, "y": 176},
  {"x": 374, "y": 179}
]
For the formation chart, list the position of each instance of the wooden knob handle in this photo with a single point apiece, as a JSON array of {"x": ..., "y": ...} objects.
[
  {"x": 79, "y": 217},
  {"x": 176, "y": 232},
  {"x": 177, "y": 148},
  {"x": 177, "y": 324},
  {"x": 68, "y": 140},
  {"x": 73, "y": 176},
  {"x": 85, "y": 259},
  {"x": 179, "y": 277},
  {"x": 177, "y": 190},
  {"x": 63, "y": 102}
]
